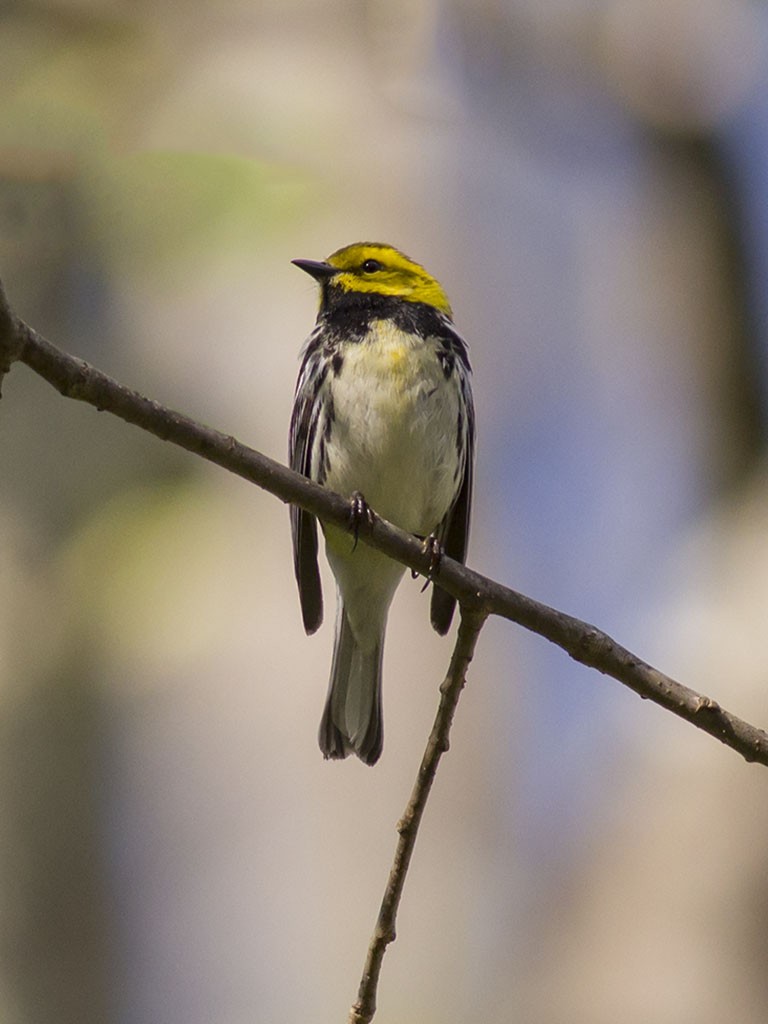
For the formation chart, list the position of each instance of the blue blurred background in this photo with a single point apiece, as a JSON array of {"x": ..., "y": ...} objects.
[{"x": 588, "y": 182}]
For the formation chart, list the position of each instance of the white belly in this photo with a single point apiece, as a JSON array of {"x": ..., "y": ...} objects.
[{"x": 394, "y": 436}]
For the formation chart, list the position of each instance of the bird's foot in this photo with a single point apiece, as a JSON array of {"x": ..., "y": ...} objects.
[
  {"x": 360, "y": 514},
  {"x": 432, "y": 547}
]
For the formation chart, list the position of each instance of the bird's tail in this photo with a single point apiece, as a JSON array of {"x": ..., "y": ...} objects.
[{"x": 352, "y": 720}]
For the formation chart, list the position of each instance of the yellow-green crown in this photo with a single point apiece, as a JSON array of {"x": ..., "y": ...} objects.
[{"x": 383, "y": 270}]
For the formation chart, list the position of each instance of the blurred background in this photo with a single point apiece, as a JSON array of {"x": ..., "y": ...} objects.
[{"x": 587, "y": 178}]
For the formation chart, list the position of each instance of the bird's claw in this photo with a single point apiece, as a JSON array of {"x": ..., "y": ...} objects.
[
  {"x": 432, "y": 547},
  {"x": 360, "y": 513}
]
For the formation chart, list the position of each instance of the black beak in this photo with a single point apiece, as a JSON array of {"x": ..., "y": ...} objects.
[{"x": 320, "y": 271}]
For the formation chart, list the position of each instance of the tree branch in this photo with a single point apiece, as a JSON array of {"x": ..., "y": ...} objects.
[
  {"x": 585, "y": 643},
  {"x": 478, "y": 596},
  {"x": 469, "y": 629}
]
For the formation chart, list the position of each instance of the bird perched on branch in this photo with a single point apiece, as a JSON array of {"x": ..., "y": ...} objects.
[{"x": 382, "y": 413}]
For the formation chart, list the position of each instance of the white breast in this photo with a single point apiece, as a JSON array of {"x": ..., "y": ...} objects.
[{"x": 394, "y": 434}]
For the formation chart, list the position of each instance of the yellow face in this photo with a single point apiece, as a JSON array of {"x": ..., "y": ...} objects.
[{"x": 373, "y": 267}]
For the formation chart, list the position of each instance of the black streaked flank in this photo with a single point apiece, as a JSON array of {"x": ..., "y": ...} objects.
[
  {"x": 330, "y": 416},
  {"x": 447, "y": 361}
]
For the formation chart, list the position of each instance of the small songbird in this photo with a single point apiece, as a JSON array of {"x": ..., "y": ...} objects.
[{"x": 382, "y": 412}]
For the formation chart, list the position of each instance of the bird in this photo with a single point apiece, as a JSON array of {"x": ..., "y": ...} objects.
[{"x": 383, "y": 414}]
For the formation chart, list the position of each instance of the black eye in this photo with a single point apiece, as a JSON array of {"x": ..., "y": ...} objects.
[{"x": 371, "y": 266}]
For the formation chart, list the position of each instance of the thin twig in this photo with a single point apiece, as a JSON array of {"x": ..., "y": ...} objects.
[
  {"x": 585, "y": 643},
  {"x": 469, "y": 629}
]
